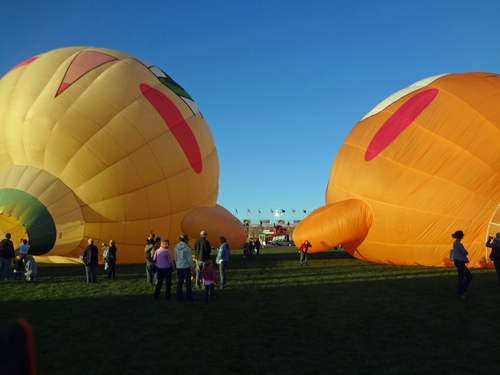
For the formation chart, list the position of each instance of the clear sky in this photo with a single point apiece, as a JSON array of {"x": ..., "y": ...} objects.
[{"x": 280, "y": 83}]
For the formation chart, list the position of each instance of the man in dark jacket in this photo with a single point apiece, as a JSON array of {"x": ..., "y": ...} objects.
[
  {"x": 112, "y": 261},
  {"x": 6, "y": 256},
  {"x": 202, "y": 251},
  {"x": 91, "y": 254}
]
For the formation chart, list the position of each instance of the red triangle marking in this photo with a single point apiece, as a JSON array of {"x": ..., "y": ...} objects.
[{"x": 83, "y": 63}]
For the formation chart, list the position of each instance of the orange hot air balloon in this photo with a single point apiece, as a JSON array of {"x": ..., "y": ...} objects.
[
  {"x": 99, "y": 144},
  {"x": 421, "y": 165}
]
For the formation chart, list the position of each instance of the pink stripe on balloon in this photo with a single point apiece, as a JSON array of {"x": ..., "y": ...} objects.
[
  {"x": 399, "y": 121},
  {"x": 177, "y": 125},
  {"x": 25, "y": 62}
]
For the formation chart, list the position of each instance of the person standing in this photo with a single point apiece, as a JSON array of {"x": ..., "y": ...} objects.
[
  {"x": 257, "y": 246},
  {"x": 460, "y": 260},
  {"x": 303, "y": 251},
  {"x": 164, "y": 266},
  {"x": 23, "y": 249},
  {"x": 90, "y": 254},
  {"x": 495, "y": 253},
  {"x": 157, "y": 242},
  {"x": 222, "y": 259},
  {"x": 202, "y": 251},
  {"x": 18, "y": 267},
  {"x": 209, "y": 280},
  {"x": 6, "y": 255},
  {"x": 150, "y": 264},
  {"x": 183, "y": 263},
  {"x": 111, "y": 260}
]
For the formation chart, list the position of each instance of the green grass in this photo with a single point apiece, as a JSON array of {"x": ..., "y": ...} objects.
[{"x": 339, "y": 315}]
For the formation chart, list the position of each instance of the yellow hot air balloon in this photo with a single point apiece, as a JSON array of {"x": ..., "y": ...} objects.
[
  {"x": 421, "y": 165},
  {"x": 96, "y": 143}
]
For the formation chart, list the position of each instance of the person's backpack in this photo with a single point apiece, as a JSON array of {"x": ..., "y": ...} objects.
[{"x": 149, "y": 254}]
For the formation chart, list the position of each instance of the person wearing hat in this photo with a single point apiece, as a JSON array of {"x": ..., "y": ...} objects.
[
  {"x": 157, "y": 242},
  {"x": 495, "y": 253},
  {"x": 202, "y": 251},
  {"x": 460, "y": 259},
  {"x": 112, "y": 261}
]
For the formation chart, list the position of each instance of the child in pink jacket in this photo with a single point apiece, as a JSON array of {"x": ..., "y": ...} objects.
[{"x": 209, "y": 280}]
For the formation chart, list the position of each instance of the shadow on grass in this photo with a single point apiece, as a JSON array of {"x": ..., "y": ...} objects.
[{"x": 407, "y": 321}]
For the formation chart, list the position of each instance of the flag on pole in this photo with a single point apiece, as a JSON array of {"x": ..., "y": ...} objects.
[
  {"x": 293, "y": 210},
  {"x": 272, "y": 210},
  {"x": 249, "y": 210},
  {"x": 236, "y": 211},
  {"x": 260, "y": 212},
  {"x": 304, "y": 211},
  {"x": 282, "y": 210}
]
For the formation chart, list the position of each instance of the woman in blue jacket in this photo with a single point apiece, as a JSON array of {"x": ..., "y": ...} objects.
[{"x": 222, "y": 259}]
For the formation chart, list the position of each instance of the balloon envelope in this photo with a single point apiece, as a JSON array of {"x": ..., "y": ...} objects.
[
  {"x": 99, "y": 144},
  {"x": 421, "y": 165}
]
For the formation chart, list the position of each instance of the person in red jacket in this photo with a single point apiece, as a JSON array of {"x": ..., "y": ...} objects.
[{"x": 303, "y": 251}]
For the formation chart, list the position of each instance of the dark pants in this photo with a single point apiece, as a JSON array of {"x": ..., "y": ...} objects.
[
  {"x": 163, "y": 274},
  {"x": 222, "y": 268},
  {"x": 303, "y": 258},
  {"x": 111, "y": 269},
  {"x": 150, "y": 272},
  {"x": 464, "y": 277},
  {"x": 258, "y": 249},
  {"x": 5, "y": 267},
  {"x": 184, "y": 276},
  {"x": 91, "y": 275},
  {"x": 497, "y": 268},
  {"x": 209, "y": 291}
]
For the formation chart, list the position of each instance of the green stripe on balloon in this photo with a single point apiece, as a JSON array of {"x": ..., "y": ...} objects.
[{"x": 35, "y": 217}]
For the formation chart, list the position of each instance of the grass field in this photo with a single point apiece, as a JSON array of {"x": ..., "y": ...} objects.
[{"x": 339, "y": 315}]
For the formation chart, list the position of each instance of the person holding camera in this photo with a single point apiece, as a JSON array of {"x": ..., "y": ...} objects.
[
  {"x": 23, "y": 249},
  {"x": 494, "y": 244}
]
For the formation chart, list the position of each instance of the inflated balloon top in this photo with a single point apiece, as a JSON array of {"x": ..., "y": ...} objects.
[
  {"x": 421, "y": 165},
  {"x": 96, "y": 143}
]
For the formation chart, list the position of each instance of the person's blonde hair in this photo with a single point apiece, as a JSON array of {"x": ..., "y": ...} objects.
[
  {"x": 182, "y": 237},
  {"x": 165, "y": 243}
]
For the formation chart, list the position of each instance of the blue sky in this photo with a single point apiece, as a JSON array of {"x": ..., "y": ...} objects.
[{"x": 280, "y": 83}]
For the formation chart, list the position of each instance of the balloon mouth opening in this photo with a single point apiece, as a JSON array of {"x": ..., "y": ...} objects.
[
  {"x": 12, "y": 225},
  {"x": 25, "y": 217}
]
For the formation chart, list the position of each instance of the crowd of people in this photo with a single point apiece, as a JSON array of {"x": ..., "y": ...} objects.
[
  {"x": 160, "y": 265},
  {"x": 25, "y": 266}
]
